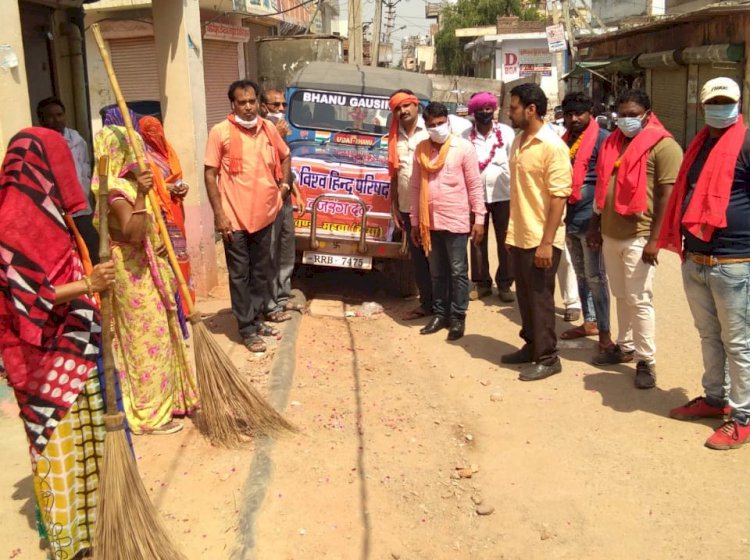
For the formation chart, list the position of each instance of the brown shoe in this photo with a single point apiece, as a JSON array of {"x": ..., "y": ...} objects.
[{"x": 613, "y": 355}]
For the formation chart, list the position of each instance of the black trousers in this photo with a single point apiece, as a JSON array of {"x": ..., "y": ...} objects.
[
  {"x": 480, "y": 261},
  {"x": 250, "y": 268},
  {"x": 535, "y": 292},
  {"x": 90, "y": 236}
]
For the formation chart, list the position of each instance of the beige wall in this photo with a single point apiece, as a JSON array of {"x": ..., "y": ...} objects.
[{"x": 15, "y": 112}]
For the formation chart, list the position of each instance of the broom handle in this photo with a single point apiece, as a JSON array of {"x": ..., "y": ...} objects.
[
  {"x": 142, "y": 166},
  {"x": 106, "y": 296}
]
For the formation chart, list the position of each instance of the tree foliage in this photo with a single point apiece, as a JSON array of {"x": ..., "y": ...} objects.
[{"x": 471, "y": 13}]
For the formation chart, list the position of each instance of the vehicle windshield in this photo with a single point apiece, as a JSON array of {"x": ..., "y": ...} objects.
[{"x": 324, "y": 110}]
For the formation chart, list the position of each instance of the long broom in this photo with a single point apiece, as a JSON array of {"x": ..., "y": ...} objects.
[
  {"x": 231, "y": 408},
  {"x": 127, "y": 523}
]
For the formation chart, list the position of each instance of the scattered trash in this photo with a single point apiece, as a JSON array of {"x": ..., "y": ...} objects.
[
  {"x": 370, "y": 308},
  {"x": 302, "y": 532},
  {"x": 496, "y": 397},
  {"x": 484, "y": 509},
  {"x": 8, "y": 57}
]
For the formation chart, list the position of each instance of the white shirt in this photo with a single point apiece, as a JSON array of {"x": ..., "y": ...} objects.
[
  {"x": 459, "y": 125},
  {"x": 80, "y": 150},
  {"x": 496, "y": 176},
  {"x": 406, "y": 147}
]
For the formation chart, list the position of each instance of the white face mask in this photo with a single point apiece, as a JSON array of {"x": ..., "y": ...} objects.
[
  {"x": 275, "y": 117},
  {"x": 246, "y": 124},
  {"x": 439, "y": 134}
]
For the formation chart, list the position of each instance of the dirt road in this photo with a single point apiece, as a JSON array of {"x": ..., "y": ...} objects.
[{"x": 579, "y": 466}]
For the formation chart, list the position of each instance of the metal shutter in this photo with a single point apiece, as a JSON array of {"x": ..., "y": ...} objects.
[
  {"x": 134, "y": 60},
  {"x": 669, "y": 99},
  {"x": 220, "y": 68}
]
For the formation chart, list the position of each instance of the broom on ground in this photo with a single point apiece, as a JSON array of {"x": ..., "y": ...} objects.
[
  {"x": 231, "y": 408},
  {"x": 127, "y": 523}
]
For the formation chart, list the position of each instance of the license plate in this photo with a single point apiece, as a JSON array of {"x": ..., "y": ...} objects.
[{"x": 341, "y": 261}]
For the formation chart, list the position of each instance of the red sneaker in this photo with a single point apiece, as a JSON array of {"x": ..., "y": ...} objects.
[
  {"x": 698, "y": 408},
  {"x": 731, "y": 435}
]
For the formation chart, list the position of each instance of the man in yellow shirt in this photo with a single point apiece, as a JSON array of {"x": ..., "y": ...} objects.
[{"x": 540, "y": 184}]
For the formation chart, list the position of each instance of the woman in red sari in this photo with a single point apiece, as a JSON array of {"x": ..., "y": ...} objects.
[
  {"x": 50, "y": 334},
  {"x": 168, "y": 185}
]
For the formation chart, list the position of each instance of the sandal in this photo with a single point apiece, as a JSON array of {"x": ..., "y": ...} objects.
[
  {"x": 170, "y": 427},
  {"x": 278, "y": 316},
  {"x": 267, "y": 330},
  {"x": 581, "y": 331},
  {"x": 255, "y": 344},
  {"x": 416, "y": 313},
  {"x": 291, "y": 306}
]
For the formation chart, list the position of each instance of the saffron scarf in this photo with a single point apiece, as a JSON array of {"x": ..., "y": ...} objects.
[
  {"x": 397, "y": 100},
  {"x": 631, "y": 186},
  {"x": 426, "y": 166},
  {"x": 153, "y": 135},
  {"x": 235, "y": 144},
  {"x": 707, "y": 209},
  {"x": 582, "y": 158},
  {"x": 49, "y": 350}
]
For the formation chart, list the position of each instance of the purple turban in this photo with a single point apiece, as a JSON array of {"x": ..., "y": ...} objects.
[{"x": 480, "y": 100}]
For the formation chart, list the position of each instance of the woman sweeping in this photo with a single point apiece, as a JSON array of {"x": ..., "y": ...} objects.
[
  {"x": 157, "y": 380},
  {"x": 50, "y": 334},
  {"x": 167, "y": 172}
]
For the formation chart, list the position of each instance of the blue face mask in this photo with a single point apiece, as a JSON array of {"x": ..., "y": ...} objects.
[
  {"x": 630, "y": 126},
  {"x": 721, "y": 116}
]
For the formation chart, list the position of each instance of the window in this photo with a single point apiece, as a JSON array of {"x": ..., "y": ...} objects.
[{"x": 321, "y": 110}]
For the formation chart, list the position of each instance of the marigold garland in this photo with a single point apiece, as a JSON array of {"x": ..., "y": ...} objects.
[{"x": 499, "y": 144}]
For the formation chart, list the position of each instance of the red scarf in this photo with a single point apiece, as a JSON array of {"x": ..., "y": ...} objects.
[
  {"x": 235, "y": 144},
  {"x": 631, "y": 186},
  {"x": 582, "y": 158},
  {"x": 708, "y": 206},
  {"x": 396, "y": 101}
]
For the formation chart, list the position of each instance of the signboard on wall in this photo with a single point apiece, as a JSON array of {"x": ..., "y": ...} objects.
[
  {"x": 224, "y": 32},
  {"x": 556, "y": 38},
  {"x": 533, "y": 61}
]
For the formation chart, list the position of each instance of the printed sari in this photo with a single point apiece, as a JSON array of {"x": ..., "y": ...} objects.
[
  {"x": 50, "y": 351},
  {"x": 155, "y": 373},
  {"x": 166, "y": 168}
]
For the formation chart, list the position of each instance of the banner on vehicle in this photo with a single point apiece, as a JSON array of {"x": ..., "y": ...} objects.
[{"x": 344, "y": 218}]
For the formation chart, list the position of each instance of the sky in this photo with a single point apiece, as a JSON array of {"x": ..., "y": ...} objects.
[{"x": 409, "y": 13}]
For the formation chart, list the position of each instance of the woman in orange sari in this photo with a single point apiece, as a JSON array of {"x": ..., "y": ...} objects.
[{"x": 171, "y": 190}]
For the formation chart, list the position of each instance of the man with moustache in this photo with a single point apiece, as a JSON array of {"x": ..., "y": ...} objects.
[
  {"x": 406, "y": 132},
  {"x": 247, "y": 172}
]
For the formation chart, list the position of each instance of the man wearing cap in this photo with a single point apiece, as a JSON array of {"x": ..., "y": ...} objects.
[
  {"x": 492, "y": 141},
  {"x": 407, "y": 131},
  {"x": 708, "y": 223},
  {"x": 636, "y": 169}
]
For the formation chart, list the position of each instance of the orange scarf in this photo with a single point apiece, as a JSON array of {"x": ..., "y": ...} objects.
[
  {"x": 235, "y": 144},
  {"x": 396, "y": 101},
  {"x": 707, "y": 209},
  {"x": 581, "y": 157},
  {"x": 423, "y": 158}
]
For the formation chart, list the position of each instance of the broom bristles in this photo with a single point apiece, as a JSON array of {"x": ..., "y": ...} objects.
[
  {"x": 231, "y": 408},
  {"x": 127, "y": 526}
]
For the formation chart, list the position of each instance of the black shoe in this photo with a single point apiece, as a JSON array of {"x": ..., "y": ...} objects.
[
  {"x": 613, "y": 355},
  {"x": 505, "y": 295},
  {"x": 541, "y": 371},
  {"x": 645, "y": 375},
  {"x": 522, "y": 356},
  {"x": 436, "y": 323},
  {"x": 456, "y": 329}
]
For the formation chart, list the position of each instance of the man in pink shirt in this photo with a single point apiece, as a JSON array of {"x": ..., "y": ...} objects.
[{"x": 445, "y": 188}]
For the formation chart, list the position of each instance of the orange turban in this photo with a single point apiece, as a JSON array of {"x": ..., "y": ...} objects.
[{"x": 397, "y": 100}]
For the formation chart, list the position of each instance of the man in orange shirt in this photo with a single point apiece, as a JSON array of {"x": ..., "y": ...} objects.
[{"x": 247, "y": 172}]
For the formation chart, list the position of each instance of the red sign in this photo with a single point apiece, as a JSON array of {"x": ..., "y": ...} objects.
[{"x": 344, "y": 218}]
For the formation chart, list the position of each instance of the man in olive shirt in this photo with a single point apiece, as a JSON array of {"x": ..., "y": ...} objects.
[
  {"x": 631, "y": 208},
  {"x": 540, "y": 184}
]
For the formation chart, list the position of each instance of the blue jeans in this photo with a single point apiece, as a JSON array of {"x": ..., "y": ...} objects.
[
  {"x": 449, "y": 268},
  {"x": 593, "y": 287},
  {"x": 719, "y": 298},
  {"x": 421, "y": 266}
]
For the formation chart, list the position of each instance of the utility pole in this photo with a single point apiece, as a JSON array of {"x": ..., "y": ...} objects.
[
  {"x": 355, "y": 32},
  {"x": 375, "y": 45},
  {"x": 569, "y": 32},
  {"x": 558, "y": 57}
]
